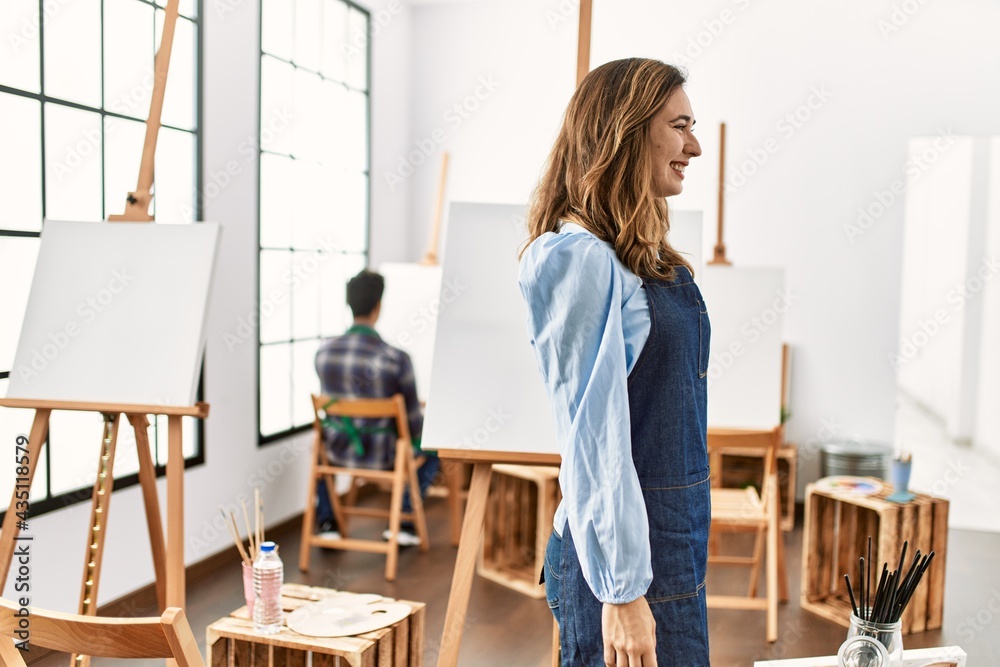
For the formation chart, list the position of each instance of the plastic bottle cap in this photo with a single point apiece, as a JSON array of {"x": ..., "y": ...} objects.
[{"x": 265, "y": 547}]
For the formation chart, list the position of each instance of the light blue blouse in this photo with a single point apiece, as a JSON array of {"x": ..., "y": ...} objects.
[{"x": 588, "y": 320}]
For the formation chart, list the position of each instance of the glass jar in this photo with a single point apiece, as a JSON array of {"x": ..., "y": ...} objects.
[
  {"x": 862, "y": 651},
  {"x": 889, "y": 635}
]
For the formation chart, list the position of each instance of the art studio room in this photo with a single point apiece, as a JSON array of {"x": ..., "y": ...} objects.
[{"x": 296, "y": 366}]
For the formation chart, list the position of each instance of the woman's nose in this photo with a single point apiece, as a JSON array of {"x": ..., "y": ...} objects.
[{"x": 694, "y": 148}]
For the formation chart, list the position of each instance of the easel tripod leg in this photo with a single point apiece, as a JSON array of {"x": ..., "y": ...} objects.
[
  {"x": 175, "y": 516},
  {"x": 417, "y": 503},
  {"x": 10, "y": 530},
  {"x": 452, "y": 474},
  {"x": 465, "y": 565},
  {"x": 100, "y": 504},
  {"x": 147, "y": 479}
]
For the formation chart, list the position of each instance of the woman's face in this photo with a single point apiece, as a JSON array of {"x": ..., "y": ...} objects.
[{"x": 673, "y": 144}]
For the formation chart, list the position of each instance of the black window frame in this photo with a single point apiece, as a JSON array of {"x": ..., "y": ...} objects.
[{"x": 301, "y": 428}]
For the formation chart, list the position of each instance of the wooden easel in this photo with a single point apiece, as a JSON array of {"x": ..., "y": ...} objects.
[
  {"x": 472, "y": 528},
  {"x": 482, "y": 462},
  {"x": 431, "y": 255},
  {"x": 583, "y": 40},
  {"x": 168, "y": 555},
  {"x": 137, "y": 202},
  {"x": 720, "y": 246}
]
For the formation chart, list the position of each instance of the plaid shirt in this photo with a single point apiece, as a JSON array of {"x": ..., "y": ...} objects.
[{"x": 360, "y": 364}]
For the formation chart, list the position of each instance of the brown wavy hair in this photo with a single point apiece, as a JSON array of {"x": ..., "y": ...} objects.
[{"x": 600, "y": 172}]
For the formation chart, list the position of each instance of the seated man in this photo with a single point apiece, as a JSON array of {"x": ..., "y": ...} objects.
[{"x": 359, "y": 364}]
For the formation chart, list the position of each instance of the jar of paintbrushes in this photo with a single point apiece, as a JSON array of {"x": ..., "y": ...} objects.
[{"x": 875, "y": 637}]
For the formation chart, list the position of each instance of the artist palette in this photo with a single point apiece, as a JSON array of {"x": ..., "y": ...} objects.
[
  {"x": 850, "y": 486},
  {"x": 345, "y": 615}
]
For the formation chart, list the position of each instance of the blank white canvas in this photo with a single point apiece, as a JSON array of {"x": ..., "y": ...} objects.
[
  {"x": 486, "y": 392},
  {"x": 116, "y": 313},
  {"x": 746, "y": 310},
  {"x": 411, "y": 304}
]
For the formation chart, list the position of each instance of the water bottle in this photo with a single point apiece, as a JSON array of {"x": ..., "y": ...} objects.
[{"x": 268, "y": 574}]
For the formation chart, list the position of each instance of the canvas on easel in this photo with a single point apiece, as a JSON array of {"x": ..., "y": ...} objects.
[
  {"x": 411, "y": 306},
  {"x": 115, "y": 324},
  {"x": 116, "y": 313}
]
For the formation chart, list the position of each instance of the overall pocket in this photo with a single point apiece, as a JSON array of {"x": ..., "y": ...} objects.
[
  {"x": 679, "y": 512},
  {"x": 704, "y": 339}
]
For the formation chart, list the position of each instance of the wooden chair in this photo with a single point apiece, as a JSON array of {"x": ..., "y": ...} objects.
[
  {"x": 403, "y": 472},
  {"x": 168, "y": 636},
  {"x": 746, "y": 510}
]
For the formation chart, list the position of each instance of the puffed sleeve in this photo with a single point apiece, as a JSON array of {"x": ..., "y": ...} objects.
[{"x": 573, "y": 290}]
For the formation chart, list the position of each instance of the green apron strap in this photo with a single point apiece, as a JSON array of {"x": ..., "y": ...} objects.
[{"x": 346, "y": 426}]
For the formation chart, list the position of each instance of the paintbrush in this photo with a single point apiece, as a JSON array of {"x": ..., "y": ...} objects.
[{"x": 236, "y": 536}]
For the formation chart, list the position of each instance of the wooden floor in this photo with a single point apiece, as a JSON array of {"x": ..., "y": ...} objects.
[{"x": 506, "y": 628}]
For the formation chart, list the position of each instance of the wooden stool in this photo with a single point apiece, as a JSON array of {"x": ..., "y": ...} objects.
[
  {"x": 519, "y": 515},
  {"x": 233, "y": 641},
  {"x": 836, "y": 533}
]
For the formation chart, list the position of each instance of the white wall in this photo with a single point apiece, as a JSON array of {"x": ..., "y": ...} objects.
[
  {"x": 234, "y": 465},
  {"x": 758, "y": 63},
  {"x": 391, "y": 91},
  {"x": 937, "y": 231},
  {"x": 987, "y": 432}
]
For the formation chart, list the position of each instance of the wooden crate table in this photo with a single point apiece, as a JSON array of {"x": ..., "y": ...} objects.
[
  {"x": 519, "y": 513},
  {"x": 837, "y": 526},
  {"x": 232, "y": 641}
]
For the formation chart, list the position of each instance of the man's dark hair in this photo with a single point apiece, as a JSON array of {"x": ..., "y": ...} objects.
[{"x": 364, "y": 291}]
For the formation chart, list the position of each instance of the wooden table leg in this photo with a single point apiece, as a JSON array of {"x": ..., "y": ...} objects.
[{"x": 465, "y": 565}]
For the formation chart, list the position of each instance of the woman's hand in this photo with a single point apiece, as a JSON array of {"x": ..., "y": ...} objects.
[{"x": 629, "y": 634}]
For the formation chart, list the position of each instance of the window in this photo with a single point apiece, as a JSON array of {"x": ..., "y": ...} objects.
[
  {"x": 314, "y": 190},
  {"x": 75, "y": 84}
]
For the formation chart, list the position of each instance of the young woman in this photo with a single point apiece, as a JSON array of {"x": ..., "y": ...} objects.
[{"x": 621, "y": 335}]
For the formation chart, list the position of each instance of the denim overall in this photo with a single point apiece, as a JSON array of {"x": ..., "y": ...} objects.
[{"x": 667, "y": 408}]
